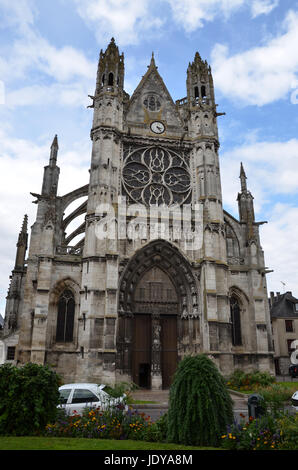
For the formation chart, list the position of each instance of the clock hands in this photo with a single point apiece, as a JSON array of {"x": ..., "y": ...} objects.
[{"x": 157, "y": 127}]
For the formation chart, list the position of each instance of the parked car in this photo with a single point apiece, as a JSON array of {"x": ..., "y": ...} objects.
[
  {"x": 295, "y": 400},
  {"x": 293, "y": 370},
  {"x": 74, "y": 398}
]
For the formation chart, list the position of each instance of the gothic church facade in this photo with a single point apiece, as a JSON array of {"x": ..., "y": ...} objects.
[{"x": 108, "y": 309}]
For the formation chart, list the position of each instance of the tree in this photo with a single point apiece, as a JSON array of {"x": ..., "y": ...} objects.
[
  {"x": 28, "y": 398},
  {"x": 200, "y": 406}
]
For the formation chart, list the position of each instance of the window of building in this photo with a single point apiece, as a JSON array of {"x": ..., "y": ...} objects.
[
  {"x": 236, "y": 322},
  {"x": 289, "y": 326},
  {"x": 10, "y": 353},
  {"x": 289, "y": 345},
  {"x": 111, "y": 79},
  {"x": 65, "y": 318},
  {"x": 296, "y": 307}
]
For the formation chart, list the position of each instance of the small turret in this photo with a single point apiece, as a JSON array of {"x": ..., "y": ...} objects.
[
  {"x": 245, "y": 200},
  {"x": 110, "y": 73},
  {"x": 51, "y": 172},
  {"x": 54, "y": 152},
  {"x": 243, "y": 179},
  {"x": 22, "y": 245},
  {"x": 109, "y": 94},
  {"x": 199, "y": 82}
]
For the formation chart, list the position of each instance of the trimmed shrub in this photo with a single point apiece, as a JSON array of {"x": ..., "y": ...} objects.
[
  {"x": 276, "y": 397},
  {"x": 242, "y": 381},
  {"x": 28, "y": 398},
  {"x": 200, "y": 406}
]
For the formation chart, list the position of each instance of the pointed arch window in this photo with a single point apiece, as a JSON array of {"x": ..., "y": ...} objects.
[
  {"x": 111, "y": 79},
  {"x": 65, "y": 317},
  {"x": 236, "y": 321}
]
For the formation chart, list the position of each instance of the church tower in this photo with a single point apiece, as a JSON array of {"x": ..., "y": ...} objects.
[{"x": 161, "y": 269}]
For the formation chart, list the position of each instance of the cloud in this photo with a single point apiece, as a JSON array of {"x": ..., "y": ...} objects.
[
  {"x": 271, "y": 170},
  {"x": 263, "y": 7},
  {"x": 55, "y": 74},
  {"x": 262, "y": 74},
  {"x": 272, "y": 173},
  {"x": 279, "y": 242},
  {"x": 32, "y": 51},
  {"x": 73, "y": 94},
  {"x": 191, "y": 14},
  {"x": 19, "y": 15},
  {"x": 126, "y": 20},
  {"x": 21, "y": 169}
]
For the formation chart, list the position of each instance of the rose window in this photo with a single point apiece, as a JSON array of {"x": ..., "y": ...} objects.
[{"x": 155, "y": 176}]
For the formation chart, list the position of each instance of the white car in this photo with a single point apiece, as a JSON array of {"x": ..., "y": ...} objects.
[
  {"x": 74, "y": 398},
  {"x": 295, "y": 400}
]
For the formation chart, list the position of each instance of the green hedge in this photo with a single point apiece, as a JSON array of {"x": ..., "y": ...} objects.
[
  {"x": 28, "y": 398},
  {"x": 242, "y": 381}
]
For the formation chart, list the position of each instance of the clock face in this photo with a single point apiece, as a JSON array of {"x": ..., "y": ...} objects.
[{"x": 157, "y": 127}]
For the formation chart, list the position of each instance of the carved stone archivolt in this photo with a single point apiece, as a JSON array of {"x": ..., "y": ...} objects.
[{"x": 167, "y": 258}]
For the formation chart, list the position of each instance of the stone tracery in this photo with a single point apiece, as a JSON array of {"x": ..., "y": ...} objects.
[{"x": 155, "y": 175}]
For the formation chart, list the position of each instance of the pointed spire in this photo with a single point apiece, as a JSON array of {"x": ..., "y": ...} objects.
[
  {"x": 22, "y": 244},
  {"x": 243, "y": 178},
  {"x": 24, "y": 228},
  {"x": 152, "y": 62},
  {"x": 54, "y": 151}
]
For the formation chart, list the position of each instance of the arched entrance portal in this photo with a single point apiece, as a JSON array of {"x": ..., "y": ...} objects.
[
  {"x": 154, "y": 345},
  {"x": 158, "y": 317}
]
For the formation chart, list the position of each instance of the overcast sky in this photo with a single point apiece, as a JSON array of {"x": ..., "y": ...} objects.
[{"x": 48, "y": 60}]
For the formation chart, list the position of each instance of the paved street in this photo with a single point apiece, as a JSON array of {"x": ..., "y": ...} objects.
[{"x": 160, "y": 405}]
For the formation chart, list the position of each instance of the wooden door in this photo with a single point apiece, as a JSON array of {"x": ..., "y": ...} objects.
[
  {"x": 141, "y": 350},
  {"x": 168, "y": 348}
]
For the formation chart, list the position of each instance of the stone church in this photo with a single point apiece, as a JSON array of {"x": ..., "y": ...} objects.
[{"x": 108, "y": 309}]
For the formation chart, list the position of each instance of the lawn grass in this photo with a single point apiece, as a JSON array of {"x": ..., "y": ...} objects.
[{"x": 64, "y": 443}]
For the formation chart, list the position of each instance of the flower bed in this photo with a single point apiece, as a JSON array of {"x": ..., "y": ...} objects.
[
  {"x": 266, "y": 433},
  {"x": 109, "y": 424},
  {"x": 256, "y": 434}
]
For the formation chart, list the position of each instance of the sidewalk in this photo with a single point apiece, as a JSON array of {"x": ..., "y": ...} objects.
[{"x": 161, "y": 398}]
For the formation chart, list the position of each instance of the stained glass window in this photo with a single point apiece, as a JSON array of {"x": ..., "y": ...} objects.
[{"x": 65, "y": 318}]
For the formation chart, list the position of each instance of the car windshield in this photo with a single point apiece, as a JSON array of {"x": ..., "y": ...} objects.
[{"x": 64, "y": 394}]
